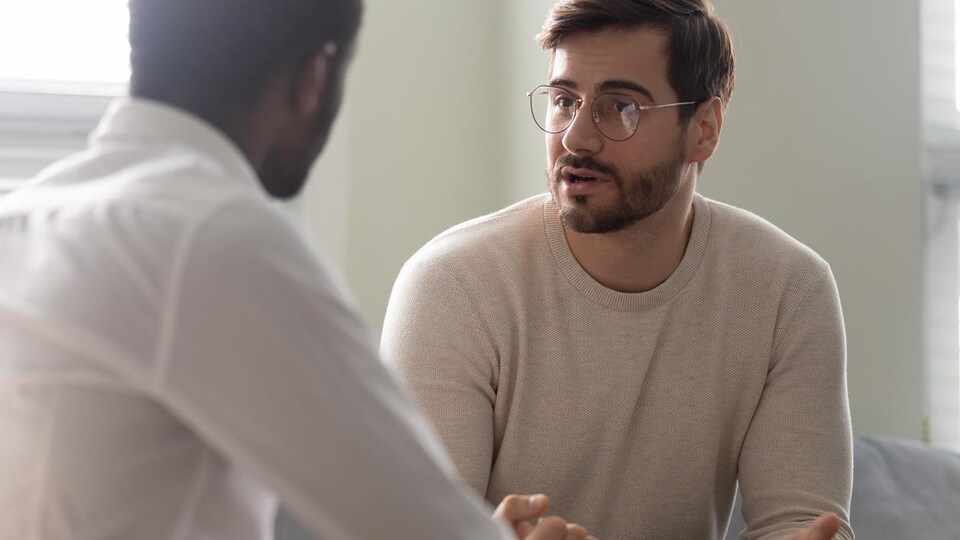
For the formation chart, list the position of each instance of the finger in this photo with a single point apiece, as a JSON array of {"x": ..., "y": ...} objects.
[
  {"x": 575, "y": 532},
  {"x": 520, "y": 508},
  {"x": 824, "y": 527},
  {"x": 549, "y": 528}
]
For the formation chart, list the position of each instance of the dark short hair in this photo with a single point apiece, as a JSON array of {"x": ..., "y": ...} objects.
[
  {"x": 699, "y": 50},
  {"x": 216, "y": 57}
]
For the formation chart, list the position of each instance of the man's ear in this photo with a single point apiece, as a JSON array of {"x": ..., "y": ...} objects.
[
  {"x": 703, "y": 133},
  {"x": 310, "y": 84}
]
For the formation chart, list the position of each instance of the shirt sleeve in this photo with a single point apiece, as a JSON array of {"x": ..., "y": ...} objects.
[
  {"x": 796, "y": 459},
  {"x": 265, "y": 359},
  {"x": 435, "y": 341}
]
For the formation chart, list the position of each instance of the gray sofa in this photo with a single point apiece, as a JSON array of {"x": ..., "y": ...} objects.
[{"x": 901, "y": 491}]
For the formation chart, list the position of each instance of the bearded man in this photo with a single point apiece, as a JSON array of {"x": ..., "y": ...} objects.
[{"x": 622, "y": 343}]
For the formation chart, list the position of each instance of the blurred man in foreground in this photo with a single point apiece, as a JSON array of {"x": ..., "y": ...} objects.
[{"x": 174, "y": 358}]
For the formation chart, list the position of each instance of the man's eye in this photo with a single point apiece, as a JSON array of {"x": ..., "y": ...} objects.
[
  {"x": 625, "y": 106},
  {"x": 564, "y": 101}
]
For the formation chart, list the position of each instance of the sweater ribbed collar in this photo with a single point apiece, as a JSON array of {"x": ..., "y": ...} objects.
[{"x": 620, "y": 301}]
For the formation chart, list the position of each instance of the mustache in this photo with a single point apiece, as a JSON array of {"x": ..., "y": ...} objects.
[{"x": 585, "y": 162}]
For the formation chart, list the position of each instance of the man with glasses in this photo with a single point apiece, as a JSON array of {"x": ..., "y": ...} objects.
[{"x": 623, "y": 344}]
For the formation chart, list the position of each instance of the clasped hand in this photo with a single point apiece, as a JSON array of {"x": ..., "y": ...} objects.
[{"x": 519, "y": 510}]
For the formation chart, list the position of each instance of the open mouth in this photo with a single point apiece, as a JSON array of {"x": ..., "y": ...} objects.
[{"x": 578, "y": 179}]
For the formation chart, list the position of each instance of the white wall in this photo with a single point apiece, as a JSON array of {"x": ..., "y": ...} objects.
[
  {"x": 526, "y": 70},
  {"x": 426, "y": 140},
  {"x": 823, "y": 139},
  {"x": 324, "y": 203}
]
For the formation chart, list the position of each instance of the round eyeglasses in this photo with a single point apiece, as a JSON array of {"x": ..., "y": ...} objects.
[{"x": 615, "y": 115}]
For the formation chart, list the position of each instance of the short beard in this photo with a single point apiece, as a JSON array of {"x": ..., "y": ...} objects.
[
  {"x": 646, "y": 193},
  {"x": 286, "y": 166}
]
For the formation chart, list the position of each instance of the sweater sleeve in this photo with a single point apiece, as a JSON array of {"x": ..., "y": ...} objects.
[
  {"x": 435, "y": 341},
  {"x": 796, "y": 459}
]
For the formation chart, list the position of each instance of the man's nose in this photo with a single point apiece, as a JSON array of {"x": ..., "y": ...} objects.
[{"x": 582, "y": 136}]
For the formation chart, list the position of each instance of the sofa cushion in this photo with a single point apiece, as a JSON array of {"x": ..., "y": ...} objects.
[{"x": 901, "y": 490}]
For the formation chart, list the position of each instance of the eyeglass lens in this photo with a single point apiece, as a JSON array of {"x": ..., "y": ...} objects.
[{"x": 616, "y": 115}]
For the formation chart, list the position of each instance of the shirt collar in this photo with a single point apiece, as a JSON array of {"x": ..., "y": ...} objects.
[{"x": 146, "y": 122}]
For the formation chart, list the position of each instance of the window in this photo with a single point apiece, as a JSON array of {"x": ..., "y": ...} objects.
[
  {"x": 941, "y": 133},
  {"x": 83, "y": 49},
  {"x": 61, "y": 62}
]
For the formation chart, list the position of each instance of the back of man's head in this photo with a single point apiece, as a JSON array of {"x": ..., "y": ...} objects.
[{"x": 215, "y": 58}]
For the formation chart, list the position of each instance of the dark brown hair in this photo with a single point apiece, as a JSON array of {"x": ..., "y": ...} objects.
[
  {"x": 215, "y": 57},
  {"x": 699, "y": 47}
]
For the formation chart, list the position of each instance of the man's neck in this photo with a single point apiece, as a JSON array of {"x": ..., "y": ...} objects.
[{"x": 642, "y": 256}]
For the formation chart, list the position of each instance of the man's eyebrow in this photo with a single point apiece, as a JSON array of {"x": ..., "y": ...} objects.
[
  {"x": 563, "y": 83},
  {"x": 606, "y": 86}
]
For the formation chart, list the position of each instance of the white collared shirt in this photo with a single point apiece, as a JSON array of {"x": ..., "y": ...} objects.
[{"x": 174, "y": 358}]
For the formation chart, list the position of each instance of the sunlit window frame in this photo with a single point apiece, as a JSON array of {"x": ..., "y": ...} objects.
[{"x": 44, "y": 120}]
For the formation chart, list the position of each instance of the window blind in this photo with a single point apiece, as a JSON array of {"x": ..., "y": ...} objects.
[
  {"x": 57, "y": 76},
  {"x": 941, "y": 118},
  {"x": 941, "y": 159}
]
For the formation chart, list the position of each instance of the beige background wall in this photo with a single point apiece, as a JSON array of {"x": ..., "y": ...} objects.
[
  {"x": 426, "y": 133},
  {"x": 822, "y": 139}
]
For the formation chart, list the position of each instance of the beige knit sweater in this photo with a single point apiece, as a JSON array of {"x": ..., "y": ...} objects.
[{"x": 636, "y": 413}]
